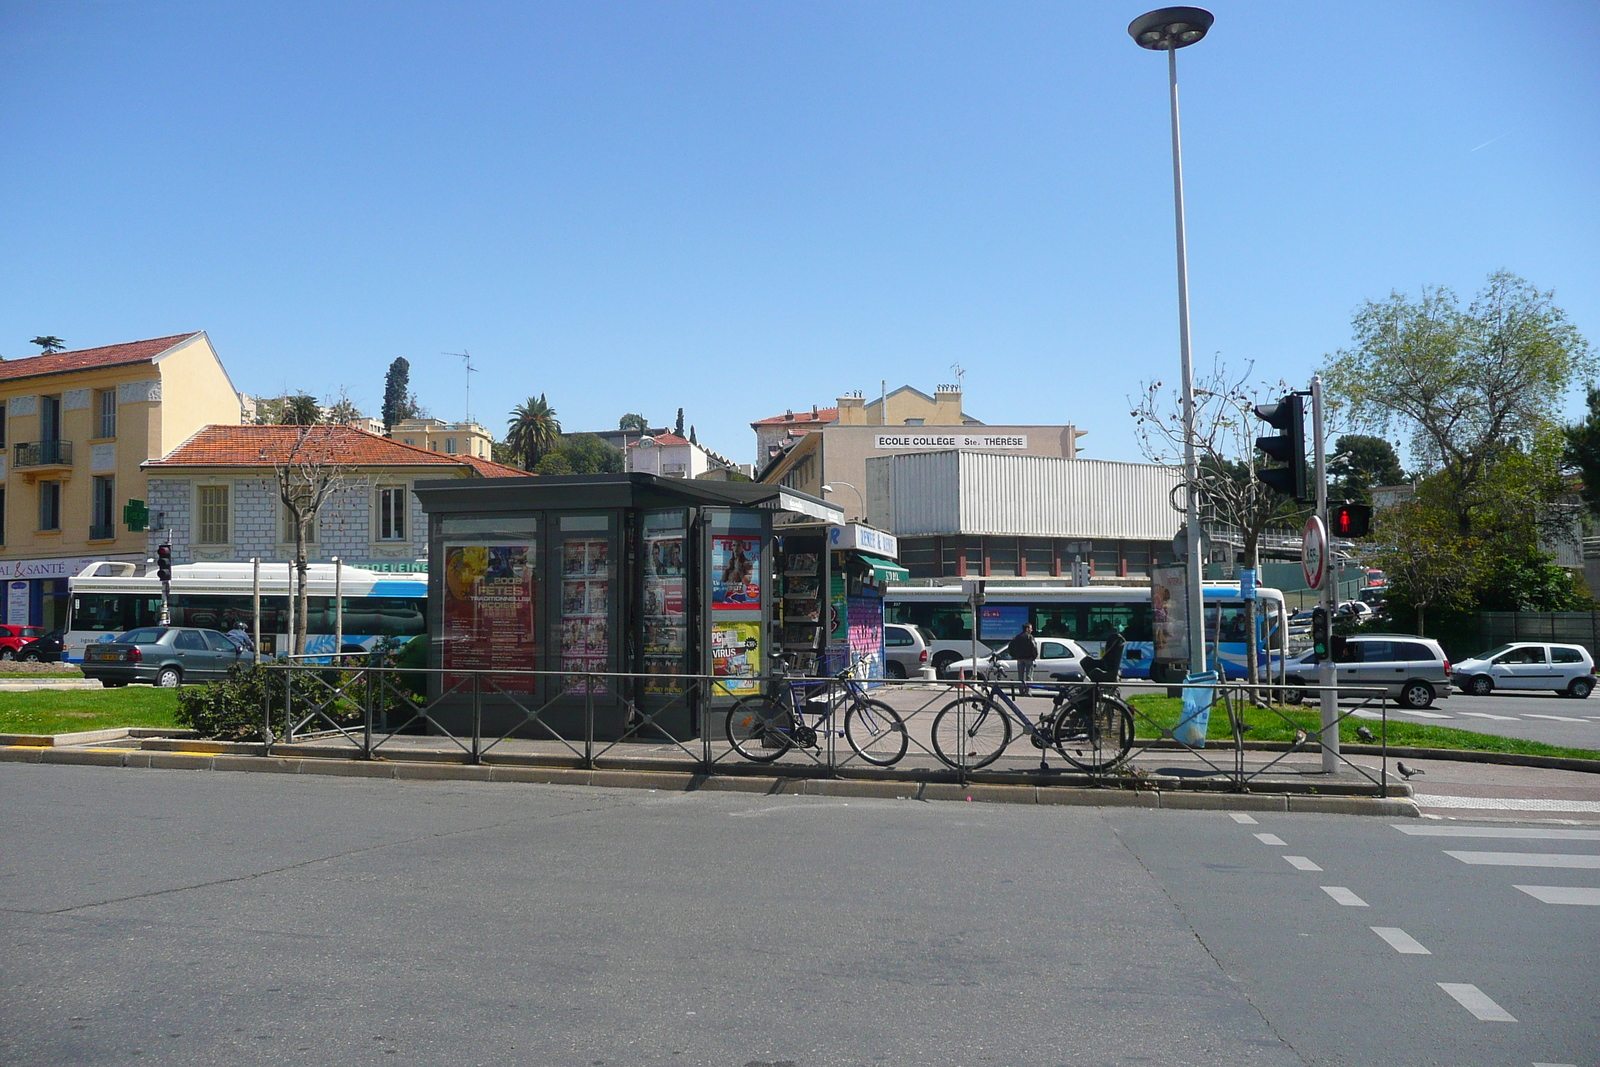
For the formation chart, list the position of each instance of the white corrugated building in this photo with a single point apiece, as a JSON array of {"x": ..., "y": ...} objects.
[{"x": 964, "y": 513}]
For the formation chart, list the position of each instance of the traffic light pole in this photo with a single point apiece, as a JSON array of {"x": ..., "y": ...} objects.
[
  {"x": 164, "y": 557},
  {"x": 1330, "y": 586}
]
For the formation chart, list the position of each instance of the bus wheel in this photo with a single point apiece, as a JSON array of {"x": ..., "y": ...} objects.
[{"x": 941, "y": 663}]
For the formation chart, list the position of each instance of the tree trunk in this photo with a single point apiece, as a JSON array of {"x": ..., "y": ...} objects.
[
  {"x": 298, "y": 640},
  {"x": 1421, "y": 631}
]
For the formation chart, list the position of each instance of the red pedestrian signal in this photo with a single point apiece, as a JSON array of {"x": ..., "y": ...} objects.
[{"x": 1350, "y": 520}]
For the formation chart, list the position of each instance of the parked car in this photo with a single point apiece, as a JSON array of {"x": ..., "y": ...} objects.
[
  {"x": 1059, "y": 660},
  {"x": 905, "y": 649},
  {"x": 46, "y": 649},
  {"x": 1567, "y": 669},
  {"x": 13, "y": 637},
  {"x": 1413, "y": 670},
  {"x": 167, "y": 656}
]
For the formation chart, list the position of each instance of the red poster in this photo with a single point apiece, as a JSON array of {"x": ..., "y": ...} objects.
[{"x": 490, "y": 618}]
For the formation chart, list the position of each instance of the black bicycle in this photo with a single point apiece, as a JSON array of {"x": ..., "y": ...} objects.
[
  {"x": 1090, "y": 725},
  {"x": 764, "y": 727}
]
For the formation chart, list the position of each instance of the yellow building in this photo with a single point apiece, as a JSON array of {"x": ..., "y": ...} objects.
[
  {"x": 450, "y": 438},
  {"x": 75, "y": 428}
]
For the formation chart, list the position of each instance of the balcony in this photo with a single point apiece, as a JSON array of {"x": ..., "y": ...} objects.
[{"x": 42, "y": 454}]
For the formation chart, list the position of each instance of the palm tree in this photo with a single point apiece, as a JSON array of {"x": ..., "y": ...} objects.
[
  {"x": 48, "y": 343},
  {"x": 533, "y": 431}
]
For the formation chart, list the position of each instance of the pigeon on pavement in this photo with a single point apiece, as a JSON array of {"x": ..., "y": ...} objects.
[
  {"x": 1365, "y": 734},
  {"x": 1407, "y": 772}
]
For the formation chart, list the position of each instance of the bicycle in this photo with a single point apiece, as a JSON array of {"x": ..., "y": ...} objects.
[
  {"x": 1089, "y": 725},
  {"x": 763, "y": 728}
]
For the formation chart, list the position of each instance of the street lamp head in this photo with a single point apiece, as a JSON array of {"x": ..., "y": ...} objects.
[{"x": 1170, "y": 27}]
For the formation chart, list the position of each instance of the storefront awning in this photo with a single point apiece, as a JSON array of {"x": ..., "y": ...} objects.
[
  {"x": 885, "y": 571},
  {"x": 801, "y": 504}
]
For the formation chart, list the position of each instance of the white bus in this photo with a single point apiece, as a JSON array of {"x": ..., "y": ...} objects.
[
  {"x": 107, "y": 599},
  {"x": 1082, "y": 614}
]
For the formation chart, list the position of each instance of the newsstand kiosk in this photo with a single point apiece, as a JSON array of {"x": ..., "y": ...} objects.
[
  {"x": 853, "y": 563},
  {"x": 612, "y": 584}
]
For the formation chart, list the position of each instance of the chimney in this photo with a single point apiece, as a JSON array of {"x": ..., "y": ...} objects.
[
  {"x": 852, "y": 410},
  {"x": 947, "y": 406}
]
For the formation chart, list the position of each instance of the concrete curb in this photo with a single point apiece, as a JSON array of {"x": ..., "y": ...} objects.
[
  {"x": 679, "y": 781},
  {"x": 1459, "y": 755}
]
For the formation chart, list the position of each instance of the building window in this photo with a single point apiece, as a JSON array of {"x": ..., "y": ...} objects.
[
  {"x": 2, "y": 503},
  {"x": 49, "y": 505},
  {"x": 49, "y": 418},
  {"x": 450, "y": 445},
  {"x": 212, "y": 504},
  {"x": 915, "y": 422},
  {"x": 103, "y": 497},
  {"x": 434, "y": 445},
  {"x": 302, "y": 494},
  {"x": 107, "y": 407},
  {"x": 392, "y": 513},
  {"x": 2, "y": 426}
]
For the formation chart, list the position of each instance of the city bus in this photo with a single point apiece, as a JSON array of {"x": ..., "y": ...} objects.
[
  {"x": 1082, "y": 613},
  {"x": 106, "y": 599}
]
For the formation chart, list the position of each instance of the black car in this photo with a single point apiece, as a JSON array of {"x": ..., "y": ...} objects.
[{"x": 46, "y": 649}]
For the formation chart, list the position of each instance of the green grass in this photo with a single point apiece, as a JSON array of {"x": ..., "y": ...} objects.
[
  {"x": 1272, "y": 726},
  {"x": 87, "y": 709}
]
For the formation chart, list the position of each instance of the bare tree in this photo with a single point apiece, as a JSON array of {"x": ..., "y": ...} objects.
[
  {"x": 309, "y": 470},
  {"x": 1225, "y": 428}
]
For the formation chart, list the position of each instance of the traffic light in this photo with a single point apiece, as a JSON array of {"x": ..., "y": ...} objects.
[
  {"x": 1289, "y": 447},
  {"x": 1321, "y": 632},
  {"x": 164, "y": 563},
  {"x": 1350, "y": 520}
]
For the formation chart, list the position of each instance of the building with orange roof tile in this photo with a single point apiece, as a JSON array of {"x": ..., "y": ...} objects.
[
  {"x": 75, "y": 429},
  {"x": 216, "y": 495}
]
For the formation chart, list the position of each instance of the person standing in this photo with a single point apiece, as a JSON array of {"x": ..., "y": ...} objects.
[{"x": 1025, "y": 651}]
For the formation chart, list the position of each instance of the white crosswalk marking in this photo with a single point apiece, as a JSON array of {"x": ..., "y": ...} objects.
[
  {"x": 1439, "y": 800},
  {"x": 1477, "y": 1002},
  {"x": 1486, "y": 715},
  {"x": 1300, "y": 863},
  {"x": 1242, "y": 819},
  {"x": 1270, "y": 839},
  {"x": 1527, "y": 859},
  {"x": 1423, "y": 714},
  {"x": 1555, "y": 1065},
  {"x": 1562, "y": 894},
  {"x": 1364, "y": 714},
  {"x": 1344, "y": 896},
  {"x": 1531, "y": 833},
  {"x": 1400, "y": 941},
  {"x": 1552, "y": 718}
]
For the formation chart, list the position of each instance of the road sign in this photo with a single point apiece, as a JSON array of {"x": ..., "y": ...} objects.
[
  {"x": 1314, "y": 552},
  {"x": 135, "y": 515}
]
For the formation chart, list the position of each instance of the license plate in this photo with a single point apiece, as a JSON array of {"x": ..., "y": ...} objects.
[{"x": 104, "y": 653}]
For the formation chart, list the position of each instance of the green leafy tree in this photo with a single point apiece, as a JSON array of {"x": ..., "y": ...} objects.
[
  {"x": 1465, "y": 383},
  {"x": 1428, "y": 563},
  {"x": 1360, "y": 462},
  {"x": 1582, "y": 452},
  {"x": 678, "y": 427},
  {"x": 49, "y": 343},
  {"x": 399, "y": 402},
  {"x": 633, "y": 423},
  {"x": 300, "y": 409},
  {"x": 342, "y": 411},
  {"x": 533, "y": 431},
  {"x": 581, "y": 453}
]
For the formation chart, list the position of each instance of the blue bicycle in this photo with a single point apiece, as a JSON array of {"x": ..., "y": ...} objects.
[{"x": 764, "y": 727}]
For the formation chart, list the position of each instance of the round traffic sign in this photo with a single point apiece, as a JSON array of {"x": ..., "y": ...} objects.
[{"x": 1314, "y": 552}]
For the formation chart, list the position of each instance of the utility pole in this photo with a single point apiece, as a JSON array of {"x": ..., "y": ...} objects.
[{"x": 1326, "y": 670}]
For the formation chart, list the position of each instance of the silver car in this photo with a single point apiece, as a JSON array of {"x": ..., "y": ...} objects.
[
  {"x": 167, "y": 656},
  {"x": 1412, "y": 670},
  {"x": 905, "y": 649},
  {"x": 1566, "y": 669}
]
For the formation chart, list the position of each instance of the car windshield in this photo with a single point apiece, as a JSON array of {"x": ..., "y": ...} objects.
[
  {"x": 141, "y": 637},
  {"x": 1493, "y": 652}
]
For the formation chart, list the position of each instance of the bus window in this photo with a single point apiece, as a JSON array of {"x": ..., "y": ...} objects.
[
  {"x": 113, "y": 612},
  {"x": 1059, "y": 620},
  {"x": 947, "y": 622},
  {"x": 1130, "y": 620}
]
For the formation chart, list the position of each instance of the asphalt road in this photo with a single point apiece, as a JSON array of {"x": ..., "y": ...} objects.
[
  {"x": 207, "y": 918},
  {"x": 1532, "y": 716}
]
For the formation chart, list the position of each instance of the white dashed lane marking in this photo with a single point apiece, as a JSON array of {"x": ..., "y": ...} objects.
[
  {"x": 1400, "y": 941},
  {"x": 1242, "y": 819},
  {"x": 1527, "y": 859},
  {"x": 1424, "y": 714},
  {"x": 1344, "y": 896},
  {"x": 1300, "y": 863},
  {"x": 1486, "y": 715},
  {"x": 1438, "y": 800},
  {"x": 1526, "y": 833},
  {"x": 1553, "y": 718},
  {"x": 1270, "y": 839},
  {"x": 1562, "y": 894},
  {"x": 1477, "y": 1002}
]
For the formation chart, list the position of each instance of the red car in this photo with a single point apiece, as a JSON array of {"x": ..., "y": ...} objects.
[{"x": 12, "y": 638}]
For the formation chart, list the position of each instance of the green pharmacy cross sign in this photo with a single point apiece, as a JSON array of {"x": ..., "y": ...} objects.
[{"x": 135, "y": 515}]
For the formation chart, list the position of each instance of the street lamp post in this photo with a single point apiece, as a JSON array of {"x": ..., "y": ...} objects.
[
  {"x": 860, "y": 503},
  {"x": 1168, "y": 30}
]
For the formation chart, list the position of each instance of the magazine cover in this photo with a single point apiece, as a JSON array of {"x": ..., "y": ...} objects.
[
  {"x": 735, "y": 573},
  {"x": 736, "y": 654}
]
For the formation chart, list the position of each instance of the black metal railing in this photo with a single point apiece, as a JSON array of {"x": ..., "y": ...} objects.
[
  {"x": 42, "y": 454},
  {"x": 359, "y": 706}
]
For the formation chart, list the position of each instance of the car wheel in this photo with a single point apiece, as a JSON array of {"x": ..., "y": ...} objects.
[
  {"x": 941, "y": 663},
  {"x": 6, "y": 653},
  {"x": 169, "y": 678},
  {"x": 1416, "y": 695},
  {"x": 1480, "y": 686},
  {"x": 894, "y": 670},
  {"x": 29, "y": 657},
  {"x": 1580, "y": 688}
]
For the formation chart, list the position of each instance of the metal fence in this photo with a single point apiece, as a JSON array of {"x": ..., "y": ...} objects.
[{"x": 371, "y": 710}]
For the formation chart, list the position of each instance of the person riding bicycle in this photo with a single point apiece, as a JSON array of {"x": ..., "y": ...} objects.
[{"x": 1025, "y": 650}]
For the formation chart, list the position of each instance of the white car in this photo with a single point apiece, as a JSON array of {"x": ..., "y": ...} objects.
[
  {"x": 1566, "y": 669},
  {"x": 1059, "y": 661}
]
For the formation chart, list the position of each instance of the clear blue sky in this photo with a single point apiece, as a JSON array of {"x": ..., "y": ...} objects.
[{"x": 742, "y": 207}]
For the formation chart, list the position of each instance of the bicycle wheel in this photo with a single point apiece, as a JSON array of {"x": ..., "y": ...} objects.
[
  {"x": 758, "y": 729},
  {"x": 970, "y": 732},
  {"x": 1096, "y": 737},
  {"x": 875, "y": 731}
]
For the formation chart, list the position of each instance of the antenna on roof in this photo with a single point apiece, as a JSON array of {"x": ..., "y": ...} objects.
[
  {"x": 471, "y": 370},
  {"x": 960, "y": 374}
]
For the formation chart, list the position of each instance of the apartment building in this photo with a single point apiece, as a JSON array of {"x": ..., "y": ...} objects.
[
  {"x": 450, "y": 438},
  {"x": 75, "y": 429}
]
